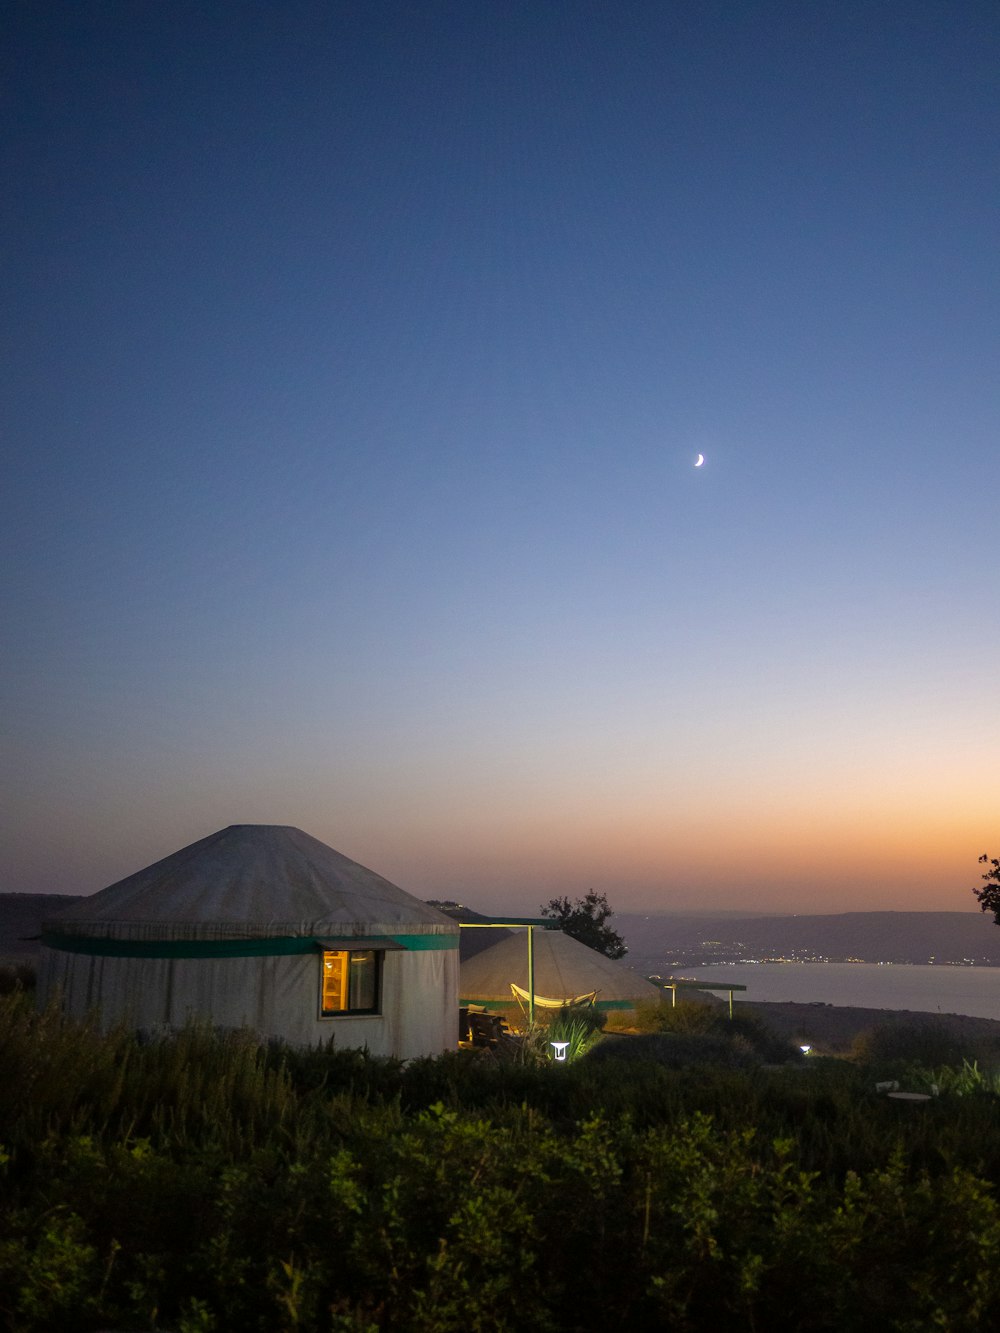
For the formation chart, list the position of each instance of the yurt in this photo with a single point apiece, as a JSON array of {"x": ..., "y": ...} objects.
[
  {"x": 564, "y": 969},
  {"x": 260, "y": 926}
]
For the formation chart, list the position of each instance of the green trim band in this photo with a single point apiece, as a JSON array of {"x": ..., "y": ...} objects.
[{"x": 260, "y": 948}]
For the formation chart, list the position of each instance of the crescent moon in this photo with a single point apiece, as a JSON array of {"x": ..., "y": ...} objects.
[{"x": 699, "y": 460}]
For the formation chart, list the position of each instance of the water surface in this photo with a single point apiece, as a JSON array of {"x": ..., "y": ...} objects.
[{"x": 927, "y": 988}]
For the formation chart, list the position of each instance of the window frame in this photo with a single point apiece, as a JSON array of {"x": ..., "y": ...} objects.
[{"x": 372, "y": 1011}]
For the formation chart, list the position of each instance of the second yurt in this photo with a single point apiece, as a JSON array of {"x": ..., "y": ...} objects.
[{"x": 564, "y": 969}]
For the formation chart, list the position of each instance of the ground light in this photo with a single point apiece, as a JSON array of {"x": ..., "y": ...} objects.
[{"x": 559, "y": 1049}]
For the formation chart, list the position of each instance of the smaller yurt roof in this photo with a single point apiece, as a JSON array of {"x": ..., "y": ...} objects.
[
  {"x": 251, "y": 881},
  {"x": 563, "y": 968},
  {"x": 473, "y": 941}
]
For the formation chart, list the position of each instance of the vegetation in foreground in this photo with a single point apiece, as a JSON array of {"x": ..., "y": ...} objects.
[{"x": 207, "y": 1182}]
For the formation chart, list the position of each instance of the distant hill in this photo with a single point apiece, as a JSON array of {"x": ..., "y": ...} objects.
[
  {"x": 659, "y": 942},
  {"x": 21, "y": 917},
  {"x": 662, "y": 942}
]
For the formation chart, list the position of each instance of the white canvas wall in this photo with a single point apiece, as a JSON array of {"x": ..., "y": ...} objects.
[{"x": 274, "y": 996}]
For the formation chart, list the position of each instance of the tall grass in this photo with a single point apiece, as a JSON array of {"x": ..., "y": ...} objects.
[
  {"x": 17, "y": 977},
  {"x": 66, "y": 1078}
]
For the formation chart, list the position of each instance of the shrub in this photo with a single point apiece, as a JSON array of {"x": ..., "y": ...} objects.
[
  {"x": 967, "y": 1081},
  {"x": 743, "y": 1032},
  {"x": 687, "y": 1016},
  {"x": 17, "y": 977},
  {"x": 205, "y": 1181},
  {"x": 676, "y": 1050},
  {"x": 579, "y": 1031},
  {"x": 762, "y": 1040},
  {"x": 908, "y": 1043}
]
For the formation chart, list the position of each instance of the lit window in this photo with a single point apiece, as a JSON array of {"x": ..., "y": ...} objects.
[{"x": 350, "y": 982}]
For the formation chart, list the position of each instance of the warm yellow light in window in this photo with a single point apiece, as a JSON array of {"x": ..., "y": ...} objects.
[
  {"x": 335, "y": 967},
  {"x": 349, "y": 981}
]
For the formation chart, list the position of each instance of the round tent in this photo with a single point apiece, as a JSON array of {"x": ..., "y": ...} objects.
[
  {"x": 564, "y": 968},
  {"x": 261, "y": 926}
]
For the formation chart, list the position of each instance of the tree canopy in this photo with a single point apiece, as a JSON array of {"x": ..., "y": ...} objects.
[
  {"x": 585, "y": 921},
  {"x": 989, "y": 897}
]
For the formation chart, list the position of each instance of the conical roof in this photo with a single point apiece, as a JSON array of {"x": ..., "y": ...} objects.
[
  {"x": 250, "y": 881},
  {"x": 563, "y": 968}
]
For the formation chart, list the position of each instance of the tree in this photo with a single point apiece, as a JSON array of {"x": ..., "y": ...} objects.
[
  {"x": 585, "y": 919},
  {"x": 989, "y": 898}
]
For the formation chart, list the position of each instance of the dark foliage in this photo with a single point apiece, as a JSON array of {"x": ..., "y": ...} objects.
[
  {"x": 17, "y": 976},
  {"x": 676, "y": 1050},
  {"x": 923, "y": 1043},
  {"x": 989, "y": 897},
  {"x": 207, "y": 1182},
  {"x": 586, "y": 920}
]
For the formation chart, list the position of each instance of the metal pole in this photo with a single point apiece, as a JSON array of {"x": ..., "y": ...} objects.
[{"x": 531, "y": 974}]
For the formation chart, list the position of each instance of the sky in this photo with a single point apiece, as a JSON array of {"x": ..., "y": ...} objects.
[{"x": 356, "y": 358}]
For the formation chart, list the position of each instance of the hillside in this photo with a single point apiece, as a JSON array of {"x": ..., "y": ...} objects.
[
  {"x": 658, "y": 943},
  {"x": 21, "y": 917}
]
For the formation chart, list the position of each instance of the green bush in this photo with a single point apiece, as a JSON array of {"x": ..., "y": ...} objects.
[
  {"x": 660, "y": 1016},
  {"x": 17, "y": 977},
  {"x": 911, "y": 1043},
  {"x": 743, "y": 1037},
  {"x": 580, "y": 1031},
  {"x": 204, "y": 1181},
  {"x": 765, "y": 1043},
  {"x": 969, "y": 1080},
  {"x": 676, "y": 1050}
]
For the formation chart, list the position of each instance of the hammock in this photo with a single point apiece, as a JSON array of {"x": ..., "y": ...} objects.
[{"x": 542, "y": 1002}]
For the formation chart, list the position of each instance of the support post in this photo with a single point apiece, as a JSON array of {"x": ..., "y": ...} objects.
[{"x": 531, "y": 974}]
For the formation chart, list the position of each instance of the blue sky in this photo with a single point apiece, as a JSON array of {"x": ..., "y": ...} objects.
[{"x": 356, "y": 359}]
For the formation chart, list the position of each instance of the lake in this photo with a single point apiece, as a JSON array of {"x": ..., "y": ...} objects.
[{"x": 925, "y": 988}]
